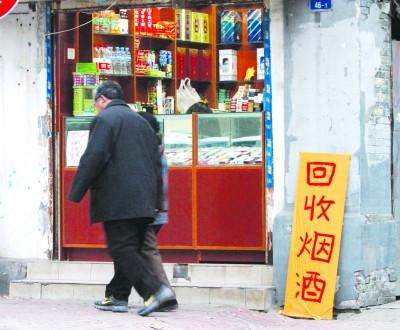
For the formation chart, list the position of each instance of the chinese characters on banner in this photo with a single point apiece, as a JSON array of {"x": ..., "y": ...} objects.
[{"x": 316, "y": 235}]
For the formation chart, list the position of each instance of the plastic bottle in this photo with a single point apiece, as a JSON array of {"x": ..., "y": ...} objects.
[
  {"x": 128, "y": 61},
  {"x": 122, "y": 60},
  {"x": 116, "y": 62}
]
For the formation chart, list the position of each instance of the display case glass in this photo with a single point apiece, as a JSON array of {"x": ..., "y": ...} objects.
[
  {"x": 229, "y": 139},
  {"x": 177, "y": 138},
  {"x": 76, "y": 138}
]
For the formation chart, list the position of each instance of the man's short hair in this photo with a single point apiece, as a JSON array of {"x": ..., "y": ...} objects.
[{"x": 110, "y": 89}]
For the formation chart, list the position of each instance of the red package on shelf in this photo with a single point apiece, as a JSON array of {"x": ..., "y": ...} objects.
[
  {"x": 205, "y": 65},
  {"x": 181, "y": 62},
  {"x": 142, "y": 21},
  {"x": 149, "y": 21},
  {"x": 194, "y": 64}
]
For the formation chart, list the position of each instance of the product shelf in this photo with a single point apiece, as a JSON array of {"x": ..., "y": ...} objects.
[
  {"x": 194, "y": 44},
  {"x": 116, "y": 75},
  {"x": 152, "y": 77},
  {"x": 142, "y": 36},
  {"x": 128, "y": 35}
]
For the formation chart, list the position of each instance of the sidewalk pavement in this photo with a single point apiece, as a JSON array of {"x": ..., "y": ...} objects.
[{"x": 21, "y": 314}]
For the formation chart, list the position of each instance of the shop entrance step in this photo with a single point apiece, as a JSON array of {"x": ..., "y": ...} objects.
[{"x": 248, "y": 286}]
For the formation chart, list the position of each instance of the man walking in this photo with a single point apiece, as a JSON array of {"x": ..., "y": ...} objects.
[{"x": 122, "y": 168}]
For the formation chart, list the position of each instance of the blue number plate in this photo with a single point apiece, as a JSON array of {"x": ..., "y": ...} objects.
[{"x": 320, "y": 5}]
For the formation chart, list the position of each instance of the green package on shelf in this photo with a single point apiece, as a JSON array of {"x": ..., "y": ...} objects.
[
  {"x": 156, "y": 74},
  {"x": 82, "y": 67}
]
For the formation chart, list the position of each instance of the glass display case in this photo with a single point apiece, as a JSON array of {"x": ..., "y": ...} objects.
[
  {"x": 229, "y": 139},
  {"x": 76, "y": 139},
  {"x": 177, "y": 138}
]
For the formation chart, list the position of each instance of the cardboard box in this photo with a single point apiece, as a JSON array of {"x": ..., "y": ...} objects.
[
  {"x": 204, "y": 28},
  {"x": 195, "y": 27},
  {"x": 254, "y": 25},
  {"x": 136, "y": 21},
  {"x": 181, "y": 63},
  {"x": 227, "y": 64},
  {"x": 205, "y": 65},
  {"x": 227, "y": 27},
  {"x": 149, "y": 21},
  {"x": 188, "y": 24},
  {"x": 178, "y": 14},
  {"x": 194, "y": 64},
  {"x": 260, "y": 63},
  {"x": 142, "y": 21}
]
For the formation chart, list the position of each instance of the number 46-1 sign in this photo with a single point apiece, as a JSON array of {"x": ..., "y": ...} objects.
[
  {"x": 320, "y": 5},
  {"x": 6, "y": 6}
]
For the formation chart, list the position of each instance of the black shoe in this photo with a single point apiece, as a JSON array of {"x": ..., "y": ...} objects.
[
  {"x": 162, "y": 297},
  {"x": 111, "y": 304},
  {"x": 168, "y": 306}
]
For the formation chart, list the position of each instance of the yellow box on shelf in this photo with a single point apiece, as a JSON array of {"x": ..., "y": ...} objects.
[{"x": 195, "y": 27}]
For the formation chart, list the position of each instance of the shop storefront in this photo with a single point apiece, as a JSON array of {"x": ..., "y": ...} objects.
[{"x": 217, "y": 162}]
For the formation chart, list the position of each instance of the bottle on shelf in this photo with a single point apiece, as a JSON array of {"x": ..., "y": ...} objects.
[{"x": 128, "y": 62}]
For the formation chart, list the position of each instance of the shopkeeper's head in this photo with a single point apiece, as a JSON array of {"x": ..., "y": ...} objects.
[{"x": 107, "y": 91}]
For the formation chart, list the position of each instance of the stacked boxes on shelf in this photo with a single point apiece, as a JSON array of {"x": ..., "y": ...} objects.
[
  {"x": 192, "y": 26},
  {"x": 148, "y": 22},
  {"x": 108, "y": 21},
  {"x": 149, "y": 63},
  {"x": 193, "y": 63}
]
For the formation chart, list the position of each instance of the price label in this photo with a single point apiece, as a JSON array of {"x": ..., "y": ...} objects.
[
  {"x": 320, "y": 5},
  {"x": 6, "y": 6}
]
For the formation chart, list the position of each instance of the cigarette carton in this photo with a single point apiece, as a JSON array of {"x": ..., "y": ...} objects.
[
  {"x": 227, "y": 64},
  {"x": 260, "y": 63},
  {"x": 254, "y": 25}
]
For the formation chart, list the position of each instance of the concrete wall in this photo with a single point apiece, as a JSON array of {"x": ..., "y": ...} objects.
[
  {"x": 337, "y": 99},
  {"x": 25, "y": 225}
]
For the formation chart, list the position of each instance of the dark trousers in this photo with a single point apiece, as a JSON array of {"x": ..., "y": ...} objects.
[{"x": 125, "y": 240}]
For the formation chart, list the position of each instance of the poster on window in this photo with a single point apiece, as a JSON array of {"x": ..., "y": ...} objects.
[
  {"x": 75, "y": 147},
  {"x": 316, "y": 234}
]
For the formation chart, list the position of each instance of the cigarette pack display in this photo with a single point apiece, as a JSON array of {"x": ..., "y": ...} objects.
[
  {"x": 188, "y": 24},
  {"x": 205, "y": 65},
  {"x": 227, "y": 64},
  {"x": 231, "y": 26},
  {"x": 260, "y": 63},
  {"x": 136, "y": 19},
  {"x": 254, "y": 25},
  {"x": 227, "y": 27},
  {"x": 142, "y": 21},
  {"x": 124, "y": 21},
  {"x": 178, "y": 14},
  {"x": 195, "y": 27},
  {"x": 181, "y": 63},
  {"x": 204, "y": 28},
  {"x": 149, "y": 21},
  {"x": 193, "y": 64}
]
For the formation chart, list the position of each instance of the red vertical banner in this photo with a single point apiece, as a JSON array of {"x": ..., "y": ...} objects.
[
  {"x": 316, "y": 234},
  {"x": 6, "y": 6}
]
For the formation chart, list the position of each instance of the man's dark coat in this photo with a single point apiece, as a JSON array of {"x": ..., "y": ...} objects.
[{"x": 121, "y": 166}]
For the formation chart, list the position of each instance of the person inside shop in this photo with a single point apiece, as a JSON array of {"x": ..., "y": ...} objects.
[
  {"x": 199, "y": 107},
  {"x": 210, "y": 127},
  {"x": 121, "y": 167}
]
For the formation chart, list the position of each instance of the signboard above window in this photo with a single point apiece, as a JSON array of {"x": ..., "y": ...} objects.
[{"x": 320, "y": 5}]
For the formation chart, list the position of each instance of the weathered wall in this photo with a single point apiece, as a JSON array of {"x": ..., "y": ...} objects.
[
  {"x": 337, "y": 100},
  {"x": 25, "y": 227}
]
